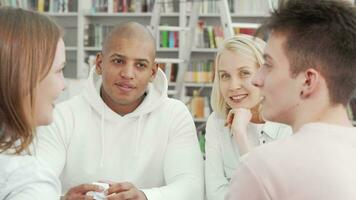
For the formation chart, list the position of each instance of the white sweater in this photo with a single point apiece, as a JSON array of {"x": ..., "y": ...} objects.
[
  {"x": 155, "y": 147},
  {"x": 22, "y": 177},
  {"x": 222, "y": 153},
  {"x": 317, "y": 162}
]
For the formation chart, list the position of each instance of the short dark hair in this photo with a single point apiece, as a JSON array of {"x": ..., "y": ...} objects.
[{"x": 320, "y": 34}]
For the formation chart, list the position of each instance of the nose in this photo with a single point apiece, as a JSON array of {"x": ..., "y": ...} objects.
[
  {"x": 257, "y": 79},
  {"x": 127, "y": 72},
  {"x": 235, "y": 84}
]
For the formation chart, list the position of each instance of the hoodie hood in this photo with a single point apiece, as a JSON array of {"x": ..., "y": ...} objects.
[{"x": 156, "y": 93}]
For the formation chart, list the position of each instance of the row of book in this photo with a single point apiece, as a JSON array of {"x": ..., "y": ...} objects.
[
  {"x": 199, "y": 105},
  {"x": 123, "y": 6},
  {"x": 172, "y": 6},
  {"x": 169, "y": 39},
  {"x": 52, "y": 6},
  {"x": 199, "y": 71},
  {"x": 94, "y": 34},
  {"x": 213, "y": 36},
  {"x": 170, "y": 69},
  {"x": 238, "y": 6}
]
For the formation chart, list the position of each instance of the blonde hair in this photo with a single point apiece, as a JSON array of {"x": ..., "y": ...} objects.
[
  {"x": 251, "y": 47},
  {"x": 28, "y": 42}
]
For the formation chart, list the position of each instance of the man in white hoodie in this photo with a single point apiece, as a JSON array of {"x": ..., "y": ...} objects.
[{"x": 124, "y": 129}]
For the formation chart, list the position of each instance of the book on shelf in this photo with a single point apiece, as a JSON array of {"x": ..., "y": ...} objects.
[
  {"x": 207, "y": 36},
  {"x": 94, "y": 34},
  {"x": 199, "y": 72},
  {"x": 168, "y": 39},
  {"x": 170, "y": 70},
  {"x": 199, "y": 105},
  {"x": 244, "y": 30},
  {"x": 132, "y": 6},
  {"x": 51, "y": 6}
]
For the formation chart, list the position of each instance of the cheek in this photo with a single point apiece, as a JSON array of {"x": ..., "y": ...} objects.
[{"x": 224, "y": 87}]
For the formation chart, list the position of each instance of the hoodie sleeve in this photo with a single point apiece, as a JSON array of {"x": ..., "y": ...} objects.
[
  {"x": 216, "y": 181},
  {"x": 51, "y": 143},
  {"x": 183, "y": 166}
]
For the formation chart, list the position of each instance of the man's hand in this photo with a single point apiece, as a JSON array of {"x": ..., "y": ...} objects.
[
  {"x": 79, "y": 192},
  {"x": 123, "y": 191}
]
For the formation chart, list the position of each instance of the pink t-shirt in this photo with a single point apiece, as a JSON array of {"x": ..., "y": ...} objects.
[{"x": 317, "y": 162}]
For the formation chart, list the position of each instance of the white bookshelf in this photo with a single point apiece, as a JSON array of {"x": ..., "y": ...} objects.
[{"x": 74, "y": 24}]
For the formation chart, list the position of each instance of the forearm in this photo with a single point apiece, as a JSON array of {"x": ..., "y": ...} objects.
[{"x": 243, "y": 143}]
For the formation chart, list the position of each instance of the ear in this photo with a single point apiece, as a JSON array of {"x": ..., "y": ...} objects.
[
  {"x": 311, "y": 82},
  {"x": 154, "y": 71},
  {"x": 98, "y": 63}
]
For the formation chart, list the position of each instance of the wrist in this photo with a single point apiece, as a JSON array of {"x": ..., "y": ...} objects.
[{"x": 144, "y": 197}]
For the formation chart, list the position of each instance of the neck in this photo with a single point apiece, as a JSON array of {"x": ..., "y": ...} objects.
[
  {"x": 336, "y": 115},
  {"x": 120, "y": 108}
]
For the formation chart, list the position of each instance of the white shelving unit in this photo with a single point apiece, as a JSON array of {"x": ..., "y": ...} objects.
[{"x": 74, "y": 24}]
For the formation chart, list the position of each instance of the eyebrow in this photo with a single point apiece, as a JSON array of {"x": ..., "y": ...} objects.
[
  {"x": 239, "y": 68},
  {"x": 267, "y": 57},
  {"x": 136, "y": 59}
]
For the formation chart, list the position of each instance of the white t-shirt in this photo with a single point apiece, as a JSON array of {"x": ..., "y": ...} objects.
[{"x": 317, "y": 162}]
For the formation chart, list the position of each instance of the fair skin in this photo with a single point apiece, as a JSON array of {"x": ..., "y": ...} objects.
[
  {"x": 126, "y": 65},
  {"x": 235, "y": 71},
  {"x": 50, "y": 87},
  {"x": 294, "y": 100}
]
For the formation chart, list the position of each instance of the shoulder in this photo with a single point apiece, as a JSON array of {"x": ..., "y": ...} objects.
[
  {"x": 215, "y": 121},
  {"x": 18, "y": 173},
  {"x": 172, "y": 107}
]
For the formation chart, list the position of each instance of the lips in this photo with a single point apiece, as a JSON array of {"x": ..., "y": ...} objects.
[
  {"x": 238, "y": 98},
  {"x": 126, "y": 87}
]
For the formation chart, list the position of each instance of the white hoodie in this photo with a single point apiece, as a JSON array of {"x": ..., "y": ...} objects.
[{"x": 155, "y": 147}]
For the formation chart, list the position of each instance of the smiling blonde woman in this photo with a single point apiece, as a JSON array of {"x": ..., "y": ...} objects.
[{"x": 235, "y": 126}]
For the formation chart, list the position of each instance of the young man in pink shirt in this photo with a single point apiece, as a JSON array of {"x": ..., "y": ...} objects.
[{"x": 308, "y": 77}]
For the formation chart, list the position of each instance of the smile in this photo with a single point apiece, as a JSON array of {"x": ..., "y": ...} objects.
[{"x": 238, "y": 98}]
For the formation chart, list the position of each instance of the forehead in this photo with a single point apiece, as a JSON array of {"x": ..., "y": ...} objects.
[
  {"x": 234, "y": 60},
  {"x": 134, "y": 48}
]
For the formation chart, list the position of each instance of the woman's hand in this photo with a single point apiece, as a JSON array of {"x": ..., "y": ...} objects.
[{"x": 237, "y": 120}]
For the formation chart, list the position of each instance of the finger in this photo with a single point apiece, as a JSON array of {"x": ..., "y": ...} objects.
[
  {"x": 230, "y": 118},
  {"x": 120, "y": 187},
  {"x": 130, "y": 194},
  {"x": 107, "y": 181},
  {"x": 84, "y": 188}
]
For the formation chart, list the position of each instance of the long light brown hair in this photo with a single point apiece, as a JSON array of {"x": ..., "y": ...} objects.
[{"x": 28, "y": 42}]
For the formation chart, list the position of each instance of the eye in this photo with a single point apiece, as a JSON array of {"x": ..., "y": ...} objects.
[
  {"x": 224, "y": 76},
  {"x": 141, "y": 65},
  {"x": 118, "y": 61},
  {"x": 245, "y": 73}
]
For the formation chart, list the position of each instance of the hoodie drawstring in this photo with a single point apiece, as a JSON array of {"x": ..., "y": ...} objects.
[
  {"x": 138, "y": 136},
  {"x": 102, "y": 132}
]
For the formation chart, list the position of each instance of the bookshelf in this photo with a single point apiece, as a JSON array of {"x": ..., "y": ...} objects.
[{"x": 82, "y": 15}]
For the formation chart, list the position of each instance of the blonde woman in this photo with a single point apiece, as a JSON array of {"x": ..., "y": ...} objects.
[
  {"x": 235, "y": 126},
  {"x": 31, "y": 62}
]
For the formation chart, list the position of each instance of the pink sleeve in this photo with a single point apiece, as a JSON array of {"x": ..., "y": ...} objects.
[{"x": 246, "y": 185}]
